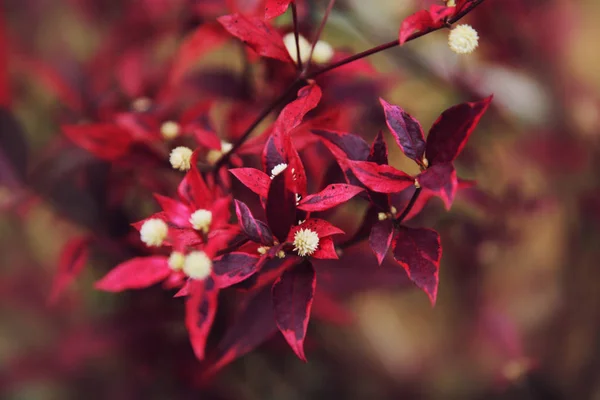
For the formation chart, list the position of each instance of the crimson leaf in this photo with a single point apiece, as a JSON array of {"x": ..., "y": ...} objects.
[
  {"x": 136, "y": 273},
  {"x": 256, "y": 230},
  {"x": 104, "y": 140},
  {"x": 257, "y": 34},
  {"x": 293, "y": 296},
  {"x": 406, "y": 130},
  {"x": 381, "y": 178},
  {"x": 419, "y": 252},
  {"x": 450, "y": 132},
  {"x": 253, "y": 179},
  {"x": 281, "y": 206},
  {"x": 275, "y": 8},
  {"x": 329, "y": 197},
  {"x": 200, "y": 310},
  {"x": 381, "y": 238},
  {"x": 72, "y": 260},
  {"x": 423, "y": 21},
  {"x": 233, "y": 268},
  {"x": 440, "y": 180}
]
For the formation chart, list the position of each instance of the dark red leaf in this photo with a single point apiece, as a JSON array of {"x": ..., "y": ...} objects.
[
  {"x": 450, "y": 132},
  {"x": 322, "y": 227},
  {"x": 176, "y": 212},
  {"x": 423, "y": 21},
  {"x": 419, "y": 252},
  {"x": 326, "y": 249},
  {"x": 193, "y": 189},
  {"x": 406, "y": 130},
  {"x": 292, "y": 115},
  {"x": 257, "y": 34},
  {"x": 73, "y": 258},
  {"x": 256, "y": 230},
  {"x": 275, "y": 8},
  {"x": 379, "y": 150},
  {"x": 200, "y": 310},
  {"x": 136, "y": 273},
  {"x": 293, "y": 295},
  {"x": 381, "y": 237},
  {"x": 281, "y": 206},
  {"x": 254, "y": 179},
  {"x": 352, "y": 145},
  {"x": 105, "y": 141},
  {"x": 440, "y": 180},
  {"x": 233, "y": 268},
  {"x": 381, "y": 178},
  {"x": 333, "y": 195}
]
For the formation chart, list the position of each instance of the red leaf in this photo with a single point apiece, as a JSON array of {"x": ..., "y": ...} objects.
[
  {"x": 193, "y": 189},
  {"x": 352, "y": 145},
  {"x": 292, "y": 115},
  {"x": 177, "y": 213},
  {"x": 450, "y": 132},
  {"x": 137, "y": 273},
  {"x": 441, "y": 181},
  {"x": 381, "y": 178},
  {"x": 423, "y": 21},
  {"x": 105, "y": 141},
  {"x": 73, "y": 258},
  {"x": 281, "y": 206},
  {"x": 257, "y": 34},
  {"x": 322, "y": 227},
  {"x": 381, "y": 238},
  {"x": 293, "y": 295},
  {"x": 326, "y": 249},
  {"x": 406, "y": 130},
  {"x": 333, "y": 195},
  {"x": 275, "y": 8},
  {"x": 256, "y": 230},
  {"x": 194, "y": 46},
  {"x": 419, "y": 252},
  {"x": 233, "y": 268},
  {"x": 200, "y": 310},
  {"x": 253, "y": 179},
  {"x": 379, "y": 151}
]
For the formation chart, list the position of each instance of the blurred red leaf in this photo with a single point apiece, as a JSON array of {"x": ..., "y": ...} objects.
[
  {"x": 381, "y": 237},
  {"x": 136, "y": 273},
  {"x": 233, "y": 268},
  {"x": 200, "y": 310},
  {"x": 274, "y": 8},
  {"x": 104, "y": 140},
  {"x": 73, "y": 258},
  {"x": 440, "y": 180}
]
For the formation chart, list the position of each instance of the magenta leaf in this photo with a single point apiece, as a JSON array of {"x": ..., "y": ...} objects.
[
  {"x": 440, "y": 180},
  {"x": 233, "y": 268},
  {"x": 200, "y": 310},
  {"x": 322, "y": 227},
  {"x": 379, "y": 151},
  {"x": 136, "y": 273},
  {"x": 256, "y": 230},
  {"x": 331, "y": 196},
  {"x": 104, "y": 140},
  {"x": 281, "y": 206},
  {"x": 381, "y": 237},
  {"x": 352, "y": 145},
  {"x": 419, "y": 252},
  {"x": 326, "y": 249},
  {"x": 176, "y": 212},
  {"x": 253, "y": 179},
  {"x": 293, "y": 296},
  {"x": 381, "y": 178},
  {"x": 73, "y": 258},
  {"x": 450, "y": 132},
  {"x": 274, "y": 8},
  {"x": 406, "y": 130},
  {"x": 423, "y": 21},
  {"x": 292, "y": 115},
  {"x": 256, "y": 34},
  {"x": 193, "y": 188}
]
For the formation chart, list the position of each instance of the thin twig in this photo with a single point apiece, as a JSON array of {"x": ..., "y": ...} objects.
[
  {"x": 296, "y": 35},
  {"x": 319, "y": 32}
]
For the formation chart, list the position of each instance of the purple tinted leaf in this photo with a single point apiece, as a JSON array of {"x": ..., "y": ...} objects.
[
  {"x": 440, "y": 180},
  {"x": 352, "y": 145},
  {"x": 406, "y": 130},
  {"x": 419, "y": 252},
  {"x": 381, "y": 178},
  {"x": 200, "y": 310},
  {"x": 450, "y": 132},
  {"x": 379, "y": 150},
  {"x": 136, "y": 273},
  {"x": 281, "y": 206},
  {"x": 381, "y": 238},
  {"x": 256, "y": 230},
  {"x": 253, "y": 179},
  {"x": 329, "y": 197},
  {"x": 233, "y": 268},
  {"x": 293, "y": 295}
]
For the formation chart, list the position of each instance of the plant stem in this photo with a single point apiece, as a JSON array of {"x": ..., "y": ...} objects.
[
  {"x": 409, "y": 206},
  {"x": 296, "y": 34},
  {"x": 319, "y": 32}
]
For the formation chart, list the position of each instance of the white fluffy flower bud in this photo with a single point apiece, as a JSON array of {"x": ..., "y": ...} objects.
[
  {"x": 180, "y": 158},
  {"x": 197, "y": 265},
  {"x": 201, "y": 220},
  {"x": 306, "y": 242},
  {"x": 153, "y": 232},
  {"x": 170, "y": 130},
  {"x": 463, "y": 39}
]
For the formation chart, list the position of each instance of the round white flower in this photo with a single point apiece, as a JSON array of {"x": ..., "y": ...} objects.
[
  {"x": 170, "y": 130},
  {"x": 201, "y": 220},
  {"x": 197, "y": 265},
  {"x": 306, "y": 242},
  {"x": 279, "y": 168},
  {"x": 289, "y": 40},
  {"x": 463, "y": 39},
  {"x": 180, "y": 158},
  {"x": 153, "y": 232},
  {"x": 323, "y": 52},
  {"x": 176, "y": 260}
]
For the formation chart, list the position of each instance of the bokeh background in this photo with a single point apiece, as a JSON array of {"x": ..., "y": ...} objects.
[{"x": 518, "y": 312}]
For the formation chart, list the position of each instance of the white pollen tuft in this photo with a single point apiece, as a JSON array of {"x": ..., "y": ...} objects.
[
  {"x": 289, "y": 40},
  {"x": 323, "y": 52},
  {"x": 180, "y": 158},
  {"x": 170, "y": 130},
  {"x": 176, "y": 260},
  {"x": 306, "y": 242},
  {"x": 153, "y": 232},
  {"x": 382, "y": 216},
  {"x": 279, "y": 168},
  {"x": 201, "y": 220},
  {"x": 197, "y": 265},
  {"x": 262, "y": 250},
  {"x": 463, "y": 39}
]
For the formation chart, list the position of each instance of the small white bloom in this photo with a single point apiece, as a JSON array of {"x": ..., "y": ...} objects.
[
  {"x": 281, "y": 254},
  {"x": 289, "y": 41},
  {"x": 197, "y": 265},
  {"x": 180, "y": 158},
  {"x": 279, "y": 168},
  {"x": 201, "y": 220},
  {"x": 463, "y": 39},
  {"x": 170, "y": 130},
  {"x": 306, "y": 242},
  {"x": 214, "y": 155},
  {"x": 141, "y": 104},
  {"x": 262, "y": 250},
  {"x": 393, "y": 210},
  {"x": 153, "y": 232},
  {"x": 176, "y": 260},
  {"x": 323, "y": 52},
  {"x": 382, "y": 216},
  {"x": 298, "y": 198}
]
